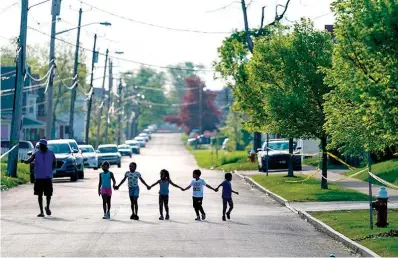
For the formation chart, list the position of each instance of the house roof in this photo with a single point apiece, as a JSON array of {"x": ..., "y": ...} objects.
[
  {"x": 8, "y": 83},
  {"x": 26, "y": 122}
]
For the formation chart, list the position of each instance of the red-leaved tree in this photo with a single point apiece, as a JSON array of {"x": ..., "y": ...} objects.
[{"x": 189, "y": 115}]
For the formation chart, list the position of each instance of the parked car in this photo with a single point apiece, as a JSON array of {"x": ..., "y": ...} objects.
[
  {"x": 149, "y": 132},
  {"x": 224, "y": 144},
  {"x": 145, "y": 136},
  {"x": 134, "y": 145},
  {"x": 141, "y": 141},
  {"x": 66, "y": 159},
  {"x": 90, "y": 156},
  {"x": 24, "y": 148},
  {"x": 110, "y": 153},
  {"x": 278, "y": 155},
  {"x": 192, "y": 141},
  {"x": 78, "y": 155},
  {"x": 125, "y": 150}
]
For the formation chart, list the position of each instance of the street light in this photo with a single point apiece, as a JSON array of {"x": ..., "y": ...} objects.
[{"x": 100, "y": 23}]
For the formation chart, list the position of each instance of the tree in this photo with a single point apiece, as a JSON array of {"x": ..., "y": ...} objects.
[
  {"x": 238, "y": 137},
  {"x": 361, "y": 110},
  {"x": 288, "y": 67},
  {"x": 189, "y": 116}
]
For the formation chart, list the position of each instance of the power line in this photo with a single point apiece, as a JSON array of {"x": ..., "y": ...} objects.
[
  {"x": 124, "y": 59},
  {"x": 8, "y": 7},
  {"x": 155, "y": 25}
]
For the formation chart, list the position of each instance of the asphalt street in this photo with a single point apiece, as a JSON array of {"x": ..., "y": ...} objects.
[{"x": 259, "y": 226}]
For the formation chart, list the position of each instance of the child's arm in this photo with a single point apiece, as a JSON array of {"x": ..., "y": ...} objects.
[
  {"x": 175, "y": 185},
  {"x": 218, "y": 186},
  {"x": 234, "y": 192},
  {"x": 114, "y": 181},
  {"x": 124, "y": 179},
  {"x": 143, "y": 181},
  {"x": 157, "y": 182},
  {"x": 99, "y": 184},
  {"x": 186, "y": 188},
  {"x": 209, "y": 186}
]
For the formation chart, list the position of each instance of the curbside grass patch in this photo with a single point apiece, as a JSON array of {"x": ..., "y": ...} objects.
[
  {"x": 23, "y": 174},
  {"x": 387, "y": 170},
  {"x": 307, "y": 191},
  {"x": 355, "y": 225}
]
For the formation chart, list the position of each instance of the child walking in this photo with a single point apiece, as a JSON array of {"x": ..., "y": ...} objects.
[
  {"x": 134, "y": 189},
  {"x": 227, "y": 196},
  {"x": 105, "y": 189},
  {"x": 197, "y": 193},
  {"x": 164, "y": 183}
]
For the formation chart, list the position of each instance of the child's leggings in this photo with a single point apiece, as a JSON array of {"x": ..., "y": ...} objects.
[
  {"x": 197, "y": 205},
  {"x": 163, "y": 199}
]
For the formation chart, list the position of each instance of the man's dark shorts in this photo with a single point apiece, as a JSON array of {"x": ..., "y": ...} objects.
[{"x": 43, "y": 186}]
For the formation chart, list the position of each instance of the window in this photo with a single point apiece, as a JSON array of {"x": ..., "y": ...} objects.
[
  {"x": 67, "y": 129},
  {"x": 32, "y": 107}
]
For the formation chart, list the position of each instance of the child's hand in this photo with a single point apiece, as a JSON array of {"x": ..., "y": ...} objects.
[
  {"x": 237, "y": 193},
  {"x": 216, "y": 190},
  {"x": 182, "y": 189},
  {"x": 148, "y": 187}
]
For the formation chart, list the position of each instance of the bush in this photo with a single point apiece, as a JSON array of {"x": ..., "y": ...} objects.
[{"x": 23, "y": 176}]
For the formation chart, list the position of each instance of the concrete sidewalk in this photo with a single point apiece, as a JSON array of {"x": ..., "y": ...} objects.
[{"x": 332, "y": 206}]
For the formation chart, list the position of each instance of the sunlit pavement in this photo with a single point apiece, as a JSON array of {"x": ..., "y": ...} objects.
[{"x": 259, "y": 226}]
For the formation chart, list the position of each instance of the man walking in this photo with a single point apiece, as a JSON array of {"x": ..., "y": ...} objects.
[{"x": 45, "y": 163}]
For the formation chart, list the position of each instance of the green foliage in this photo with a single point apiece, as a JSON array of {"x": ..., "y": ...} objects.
[
  {"x": 362, "y": 109},
  {"x": 307, "y": 191},
  {"x": 238, "y": 138},
  {"x": 23, "y": 176},
  {"x": 355, "y": 225}
]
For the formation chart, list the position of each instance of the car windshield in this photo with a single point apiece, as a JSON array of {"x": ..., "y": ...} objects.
[
  {"x": 87, "y": 149},
  {"x": 279, "y": 146},
  {"x": 73, "y": 145},
  {"x": 60, "y": 148},
  {"x": 107, "y": 149},
  {"x": 123, "y": 147}
]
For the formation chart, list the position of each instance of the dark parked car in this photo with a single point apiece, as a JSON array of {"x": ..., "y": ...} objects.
[
  {"x": 278, "y": 155},
  {"x": 66, "y": 159}
]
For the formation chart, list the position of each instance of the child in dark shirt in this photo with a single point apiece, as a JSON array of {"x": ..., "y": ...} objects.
[{"x": 227, "y": 196}]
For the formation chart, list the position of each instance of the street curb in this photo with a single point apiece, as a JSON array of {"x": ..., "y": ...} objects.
[{"x": 354, "y": 246}]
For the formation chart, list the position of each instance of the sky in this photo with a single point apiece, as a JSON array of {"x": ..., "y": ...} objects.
[{"x": 152, "y": 44}]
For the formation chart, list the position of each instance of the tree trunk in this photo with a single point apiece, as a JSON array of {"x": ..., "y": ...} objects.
[
  {"x": 290, "y": 171},
  {"x": 324, "y": 181}
]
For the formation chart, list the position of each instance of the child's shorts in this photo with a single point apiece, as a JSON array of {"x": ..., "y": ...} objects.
[
  {"x": 106, "y": 191},
  {"x": 134, "y": 192}
]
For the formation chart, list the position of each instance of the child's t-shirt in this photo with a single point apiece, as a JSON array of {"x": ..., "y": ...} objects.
[
  {"x": 132, "y": 178},
  {"x": 197, "y": 187},
  {"x": 164, "y": 187},
  {"x": 226, "y": 189}
]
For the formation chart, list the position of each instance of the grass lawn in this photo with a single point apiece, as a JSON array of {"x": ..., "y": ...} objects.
[
  {"x": 355, "y": 225},
  {"x": 387, "y": 170},
  {"x": 22, "y": 173},
  {"x": 223, "y": 160},
  {"x": 308, "y": 191},
  {"x": 315, "y": 162}
]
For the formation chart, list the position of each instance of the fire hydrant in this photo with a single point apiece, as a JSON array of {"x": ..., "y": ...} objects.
[
  {"x": 381, "y": 207},
  {"x": 252, "y": 155}
]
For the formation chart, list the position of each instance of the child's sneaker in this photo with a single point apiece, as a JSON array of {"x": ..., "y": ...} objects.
[
  {"x": 203, "y": 216},
  {"x": 223, "y": 218},
  {"x": 161, "y": 217},
  {"x": 136, "y": 217},
  {"x": 108, "y": 215},
  {"x": 132, "y": 216},
  {"x": 167, "y": 217},
  {"x": 197, "y": 218},
  {"x": 105, "y": 216},
  {"x": 229, "y": 215},
  {"x": 41, "y": 215}
]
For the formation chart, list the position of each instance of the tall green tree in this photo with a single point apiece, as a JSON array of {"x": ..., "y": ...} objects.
[
  {"x": 361, "y": 110},
  {"x": 288, "y": 67}
]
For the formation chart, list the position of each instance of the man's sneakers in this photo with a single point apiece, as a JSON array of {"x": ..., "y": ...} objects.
[{"x": 48, "y": 211}]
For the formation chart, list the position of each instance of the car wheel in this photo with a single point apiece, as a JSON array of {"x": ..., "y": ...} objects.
[
  {"x": 119, "y": 165},
  {"x": 81, "y": 175},
  {"x": 298, "y": 168},
  {"x": 96, "y": 168},
  {"x": 74, "y": 177}
]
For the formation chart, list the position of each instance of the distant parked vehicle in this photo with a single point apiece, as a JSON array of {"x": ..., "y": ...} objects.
[
  {"x": 278, "y": 155},
  {"x": 78, "y": 155},
  {"x": 134, "y": 145},
  {"x": 66, "y": 159},
  {"x": 145, "y": 136},
  {"x": 149, "y": 132},
  {"x": 90, "y": 156},
  {"x": 110, "y": 153},
  {"x": 125, "y": 150},
  {"x": 24, "y": 148},
  {"x": 141, "y": 141},
  {"x": 224, "y": 144}
]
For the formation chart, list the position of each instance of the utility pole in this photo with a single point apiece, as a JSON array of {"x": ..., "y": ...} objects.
[
  {"x": 200, "y": 109},
  {"x": 102, "y": 105},
  {"x": 55, "y": 10},
  {"x": 109, "y": 102},
  {"x": 90, "y": 100},
  {"x": 370, "y": 191},
  {"x": 18, "y": 93},
  {"x": 119, "y": 113},
  {"x": 75, "y": 81}
]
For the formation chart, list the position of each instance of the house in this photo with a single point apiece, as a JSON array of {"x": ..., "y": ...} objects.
[
  {"x": 79, "y": 122},
  {"x": 31, "y": 127}
]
